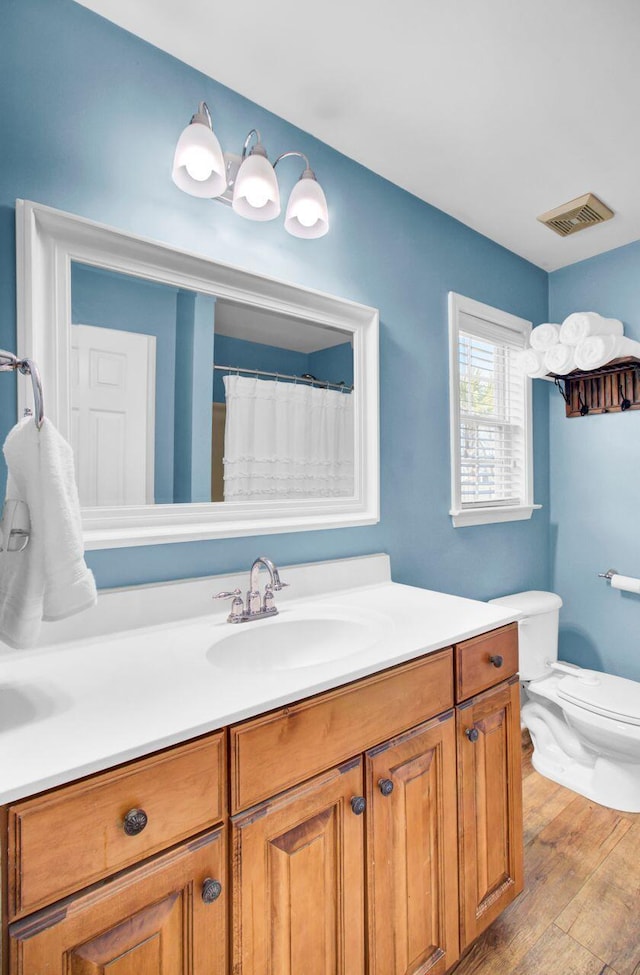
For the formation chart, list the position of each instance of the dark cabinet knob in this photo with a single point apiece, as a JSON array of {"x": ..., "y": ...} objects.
[
  {"x": 385, "y": 786},
  {"x": 496, "y": 660},
  {"x": 358, "y": 804},
  {"x": 135, "y": 821},
  {"x": 472, "y": 734},
  {"x": 211, "y": 890}
]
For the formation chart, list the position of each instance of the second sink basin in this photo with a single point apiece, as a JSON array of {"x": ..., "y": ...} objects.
[{"x": 292, "y": 640}]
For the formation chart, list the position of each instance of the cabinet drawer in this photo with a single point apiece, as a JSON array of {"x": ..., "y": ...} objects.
[
  {"x": 486, "y": 660},
  {"x": 69, "y": 838},
  {"x": 278, "y": 750}
]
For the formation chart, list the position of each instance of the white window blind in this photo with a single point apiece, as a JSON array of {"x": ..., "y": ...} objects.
[
  {"x": 491, "y": 425},
  {"x": 492, "y": 447}
]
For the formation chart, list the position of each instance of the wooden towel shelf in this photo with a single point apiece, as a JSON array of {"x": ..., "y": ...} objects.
[{"x": 614, "y": 388}]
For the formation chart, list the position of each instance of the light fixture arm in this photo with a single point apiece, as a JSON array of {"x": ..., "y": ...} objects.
[
  {"x": 258, "y": 148},
  {"x": 203, "y": 115},
  {"x": 283, "y": 155}
]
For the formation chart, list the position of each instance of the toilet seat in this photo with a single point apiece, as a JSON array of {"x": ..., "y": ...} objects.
[{"x": 613, "y": 697}]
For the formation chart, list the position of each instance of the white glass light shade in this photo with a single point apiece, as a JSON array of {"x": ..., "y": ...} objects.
[
  {"x": 198, "y": 163},
  {"x": 255, "y": 194},
  {"x": 307, "y": 214}
]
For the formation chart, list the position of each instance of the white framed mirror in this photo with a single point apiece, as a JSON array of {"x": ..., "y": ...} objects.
[{"x": 174, "y": 441}]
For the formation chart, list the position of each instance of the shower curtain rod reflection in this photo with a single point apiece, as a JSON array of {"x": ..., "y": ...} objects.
[{"x": 305, "y": 378}]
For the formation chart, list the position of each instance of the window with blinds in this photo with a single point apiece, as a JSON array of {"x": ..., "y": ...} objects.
[{"x": 491, "y": 421}]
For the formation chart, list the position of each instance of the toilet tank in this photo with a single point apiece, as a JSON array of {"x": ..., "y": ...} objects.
[{"x": 537, "y": 630}]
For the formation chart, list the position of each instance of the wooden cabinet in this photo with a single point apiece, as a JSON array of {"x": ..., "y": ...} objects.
[
  {"x": 298, "y": 880},
  {"x": 166, "y": 913},
  {"x": 412, "y": 863},
  {"x": 376, "y": 830},
  {"x": 299, "y": 916},
  {"x": 489, "y": 806},
  {"x": 152, "y": 920},
  {"x": 300, "y": 863}
]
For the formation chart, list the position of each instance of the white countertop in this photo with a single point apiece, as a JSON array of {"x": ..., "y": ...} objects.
[{"x": 97, "y": 698}]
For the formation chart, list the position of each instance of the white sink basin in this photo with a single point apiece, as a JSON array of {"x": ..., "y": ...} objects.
[{"x": 292, "y": 640}]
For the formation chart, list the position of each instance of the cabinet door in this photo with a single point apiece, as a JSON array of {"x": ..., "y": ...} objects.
[
  {"x": 412, "y": 862},
  {"x": 298, "y": 879},
  {"x": 490, "y": 807},
  {"x": 159, "y": 918}
]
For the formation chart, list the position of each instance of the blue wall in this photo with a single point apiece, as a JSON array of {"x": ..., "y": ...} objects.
[
  {"x": 595, "y": 476},
  {"x": 92, "y": 115}
]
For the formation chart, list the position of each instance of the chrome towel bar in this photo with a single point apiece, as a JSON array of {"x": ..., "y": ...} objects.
[{"x": 9, "y": 363}]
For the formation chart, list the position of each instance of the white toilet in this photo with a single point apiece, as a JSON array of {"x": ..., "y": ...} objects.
[{"x": 585, "y": 726}]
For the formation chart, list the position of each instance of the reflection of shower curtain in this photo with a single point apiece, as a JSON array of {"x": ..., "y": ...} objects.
[{"x": 286, "y": 440}]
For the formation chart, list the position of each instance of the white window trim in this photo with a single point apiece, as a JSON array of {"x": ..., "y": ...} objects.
[{"x": 460, "y": 516}]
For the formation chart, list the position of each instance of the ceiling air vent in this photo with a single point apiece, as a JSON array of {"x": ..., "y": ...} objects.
[{"x": 585, "y": 211}]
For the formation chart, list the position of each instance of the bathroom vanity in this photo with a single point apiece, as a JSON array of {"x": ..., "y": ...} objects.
[{"x": 369, "y": 821}]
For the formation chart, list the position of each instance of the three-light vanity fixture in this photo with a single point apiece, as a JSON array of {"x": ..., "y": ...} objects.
[{"x": 247, "y": 182}]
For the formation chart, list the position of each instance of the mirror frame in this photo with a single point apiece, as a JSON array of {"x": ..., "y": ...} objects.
[{"x": 49, "y": 240}]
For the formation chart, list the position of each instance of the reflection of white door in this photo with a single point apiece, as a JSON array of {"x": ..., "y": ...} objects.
[{"x": 113, "y": 415}]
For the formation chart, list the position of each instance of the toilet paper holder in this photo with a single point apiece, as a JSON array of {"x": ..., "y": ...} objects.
[
  {"x": 608, "y": 574},
  {"x": 623, "y": 583}
]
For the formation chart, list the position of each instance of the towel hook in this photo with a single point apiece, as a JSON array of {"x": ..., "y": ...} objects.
[
  {"x": 584, "y": 409},
  {"x": 625, "y": 404}
]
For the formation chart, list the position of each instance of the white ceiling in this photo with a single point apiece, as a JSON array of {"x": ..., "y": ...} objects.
[
  {"x": 492, "y": 110},
  {"x": 270, "y": 328}
]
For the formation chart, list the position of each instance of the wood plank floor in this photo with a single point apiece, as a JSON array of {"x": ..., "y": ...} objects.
[{"x": 579, "y": 913}]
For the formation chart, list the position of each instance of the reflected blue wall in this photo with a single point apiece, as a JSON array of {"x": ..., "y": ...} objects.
[
  {"x": 333, "y": 365},
  {"x": 194, "y": 396},
  {"x": 93, "y": 115},
  {"x": 595, "y": 473},
  {"x": 254, "y": 355}
]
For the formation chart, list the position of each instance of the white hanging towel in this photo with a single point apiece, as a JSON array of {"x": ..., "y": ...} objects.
[
  {"x": 581, "y": 324},
  {"x": 544, "y": 336},
  {"x": 49, "y": 579},
  {"x": 597, "y": 350}
]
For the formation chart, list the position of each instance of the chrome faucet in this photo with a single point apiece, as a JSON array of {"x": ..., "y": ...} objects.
[{"x": 257, "y": 606}]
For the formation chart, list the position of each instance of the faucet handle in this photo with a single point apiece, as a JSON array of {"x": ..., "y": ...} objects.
[{"x": 237, "y": 606}]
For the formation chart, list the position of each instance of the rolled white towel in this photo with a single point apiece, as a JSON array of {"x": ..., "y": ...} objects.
[
  {"x": 582, "y": 324},
  {"x": 544, "y": 336},
  {"x": 532, "y": 363},
  {"x": 597, "y": 350},
  {"x": 560, "y": 359}
]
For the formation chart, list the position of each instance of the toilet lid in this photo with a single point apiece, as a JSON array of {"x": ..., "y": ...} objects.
[{"x": 614, "y": 697}]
